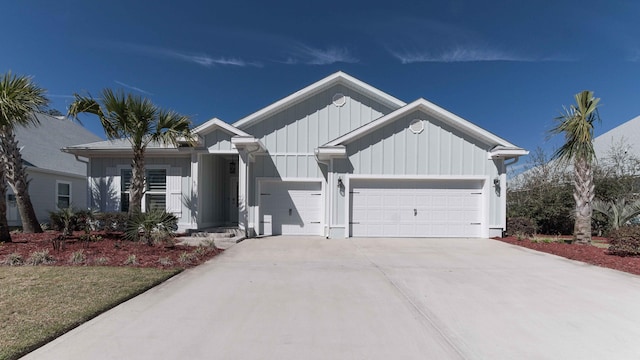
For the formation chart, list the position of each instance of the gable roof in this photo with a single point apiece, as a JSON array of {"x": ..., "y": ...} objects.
[
  {"x": 216, "y": 123},
  {"x": 451, "y": 119},
  {"x": 40, "y": 145},
  {"x": 331, "y": 80}
]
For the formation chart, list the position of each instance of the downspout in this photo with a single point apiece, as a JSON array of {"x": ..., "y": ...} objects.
[
  {"x": 515, "y": 160},
  {"x": 88, "y": 176}
]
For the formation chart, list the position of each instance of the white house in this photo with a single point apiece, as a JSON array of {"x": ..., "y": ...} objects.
[
  {"x": 338, "y": 158},
  {"x": 57, "y": 179}
]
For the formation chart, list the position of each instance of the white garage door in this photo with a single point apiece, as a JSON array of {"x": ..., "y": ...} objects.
[
  {"x": 290, "y": 208},
  {"x": 416, "y": 208}
]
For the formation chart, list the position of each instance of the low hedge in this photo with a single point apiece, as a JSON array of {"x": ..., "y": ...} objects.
[{"x": 625, "y": 241}]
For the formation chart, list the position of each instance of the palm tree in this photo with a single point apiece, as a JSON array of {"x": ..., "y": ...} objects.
[
  {"x": 576, "y": 123},
  {"x": 5, "y": 235},
  {"x": 618, "y": 212},
  {"x": 137, "y": 119},
  {"x": 20, "y": 99}
]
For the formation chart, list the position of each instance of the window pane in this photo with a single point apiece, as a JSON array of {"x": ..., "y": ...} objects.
[
  {"x": 63, "y": 189},
  {"x": 156, "y": 202},
  {"x": 63, "y": 202},
  {"x": 125, "y": 179},
  {"x": 156, "y": 179}
]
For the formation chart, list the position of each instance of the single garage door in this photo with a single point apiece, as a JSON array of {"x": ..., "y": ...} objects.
[
  {"x": 290, "y": 208},
  {"x": 416, "y": 208}
]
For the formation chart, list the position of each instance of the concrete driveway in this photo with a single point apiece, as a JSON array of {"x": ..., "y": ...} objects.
[{"x": 313, "y": 298}]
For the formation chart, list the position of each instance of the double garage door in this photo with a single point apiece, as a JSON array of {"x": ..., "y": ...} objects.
[
  {"x": 416, "y": 208},
  {"x": 290, "y": 208}
]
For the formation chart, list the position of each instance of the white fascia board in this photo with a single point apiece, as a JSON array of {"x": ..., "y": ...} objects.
[
  {"x": 335, "y": 78},
  {"x": 507, "y": 153},
  {"x": 95, "y": 152},
  {"x": 215, "y": 123},
  {"x": 325, "y": 153},
  {"x": 429, "y": 108}
]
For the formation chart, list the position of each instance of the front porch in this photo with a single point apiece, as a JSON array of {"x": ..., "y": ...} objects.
[{"x": 218, "y": 190}]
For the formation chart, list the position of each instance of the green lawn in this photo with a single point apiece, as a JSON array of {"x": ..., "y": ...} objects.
[{"x": 38, "y": 303}]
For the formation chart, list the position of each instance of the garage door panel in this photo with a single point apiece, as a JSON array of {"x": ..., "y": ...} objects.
[
  {"x": 416, "y": 208},
  {"x": 291, "y": 208}
]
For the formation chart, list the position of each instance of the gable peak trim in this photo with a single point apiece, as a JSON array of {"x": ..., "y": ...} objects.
[
  {"x": 338, "y": 77},
  {"x": 429, "y": 108}
]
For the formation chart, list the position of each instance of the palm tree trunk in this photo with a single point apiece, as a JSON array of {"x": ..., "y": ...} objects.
[
  {"x": 583, "y": 194},
  {"x": 137, "y": 182},
  {"x": 16, "y": 175},
  {"x": 5, "y": 235}
]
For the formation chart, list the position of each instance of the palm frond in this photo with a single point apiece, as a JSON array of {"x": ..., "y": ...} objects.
[
  {"x": 618, "y": 212},
  {"x": 577, "y": 124},
  {"x": 20, "y": 99}
]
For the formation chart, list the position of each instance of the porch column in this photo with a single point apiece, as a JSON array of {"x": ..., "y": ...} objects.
[
  {"x": 195, "y": 220},
  {"x": 243, "y": 192}
]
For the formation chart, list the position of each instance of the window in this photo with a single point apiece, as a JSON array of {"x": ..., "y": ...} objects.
[
  {"x": 63, "y": 194},
  {"x": 155, "y": 196},
  {"x": 156, "y": 189}
]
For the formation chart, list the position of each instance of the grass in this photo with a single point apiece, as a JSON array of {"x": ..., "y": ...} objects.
[{"x": 39, "y": 303}]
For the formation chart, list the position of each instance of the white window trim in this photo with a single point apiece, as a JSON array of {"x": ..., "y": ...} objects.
[{"x": 58, "y": 182}]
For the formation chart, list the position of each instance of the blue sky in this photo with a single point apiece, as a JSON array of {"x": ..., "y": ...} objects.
[{"x": 507, "y": 66}]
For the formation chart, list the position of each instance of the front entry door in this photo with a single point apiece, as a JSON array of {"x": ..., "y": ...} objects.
[{"x": 233, "y": 206}]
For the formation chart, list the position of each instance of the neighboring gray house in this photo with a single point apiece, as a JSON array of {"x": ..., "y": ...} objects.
[
  {"x": 338, "y": 158},
  {"x": 624, "y": 137},
  {"x": 56, "y": 178}
]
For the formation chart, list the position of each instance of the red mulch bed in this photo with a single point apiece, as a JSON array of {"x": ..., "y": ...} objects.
[
  {"x": 585, "y": 253},
  {"x": 111, "y": 250}
]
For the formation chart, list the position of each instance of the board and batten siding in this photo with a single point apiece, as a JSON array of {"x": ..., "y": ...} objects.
[
  {"x": 218, "y": 140},
  {"x": 315, "y": 121},
  {"x": 438, "y": 150},
  {"x": 104, "y": 169},
  {"x": 292, "y": 134}
]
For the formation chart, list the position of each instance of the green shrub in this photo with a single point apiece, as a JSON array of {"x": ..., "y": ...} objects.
[
  {"x": 186, "y": 258},
  {"x": 13, "y": 259},
  {"x": 131, "y": 260},
  {"x": 625, "y": 241},
  {"x": 520, "y": 226},
  {"x": 110, "y": 221},
  {"x": 101, "y": 260},
  {"x": 152, "y": 226},
  {"x": 77, "y": 257},
  {"x": 69, "y": 219},
  {"x": 40, "y": 258}
]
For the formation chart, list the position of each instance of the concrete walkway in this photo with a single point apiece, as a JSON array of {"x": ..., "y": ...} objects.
[{"x": 313, "y": 298}]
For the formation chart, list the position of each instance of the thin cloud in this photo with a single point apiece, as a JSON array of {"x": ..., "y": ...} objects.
[
  {"x": 634, "y": 56},
  {"x": 304, "y": 54},
  {"x": 458, "y": 54},
  {"x": 199, "y": 59},
  {"x": 132, "y": 87},
  {"x": 462, "y": 54}
]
